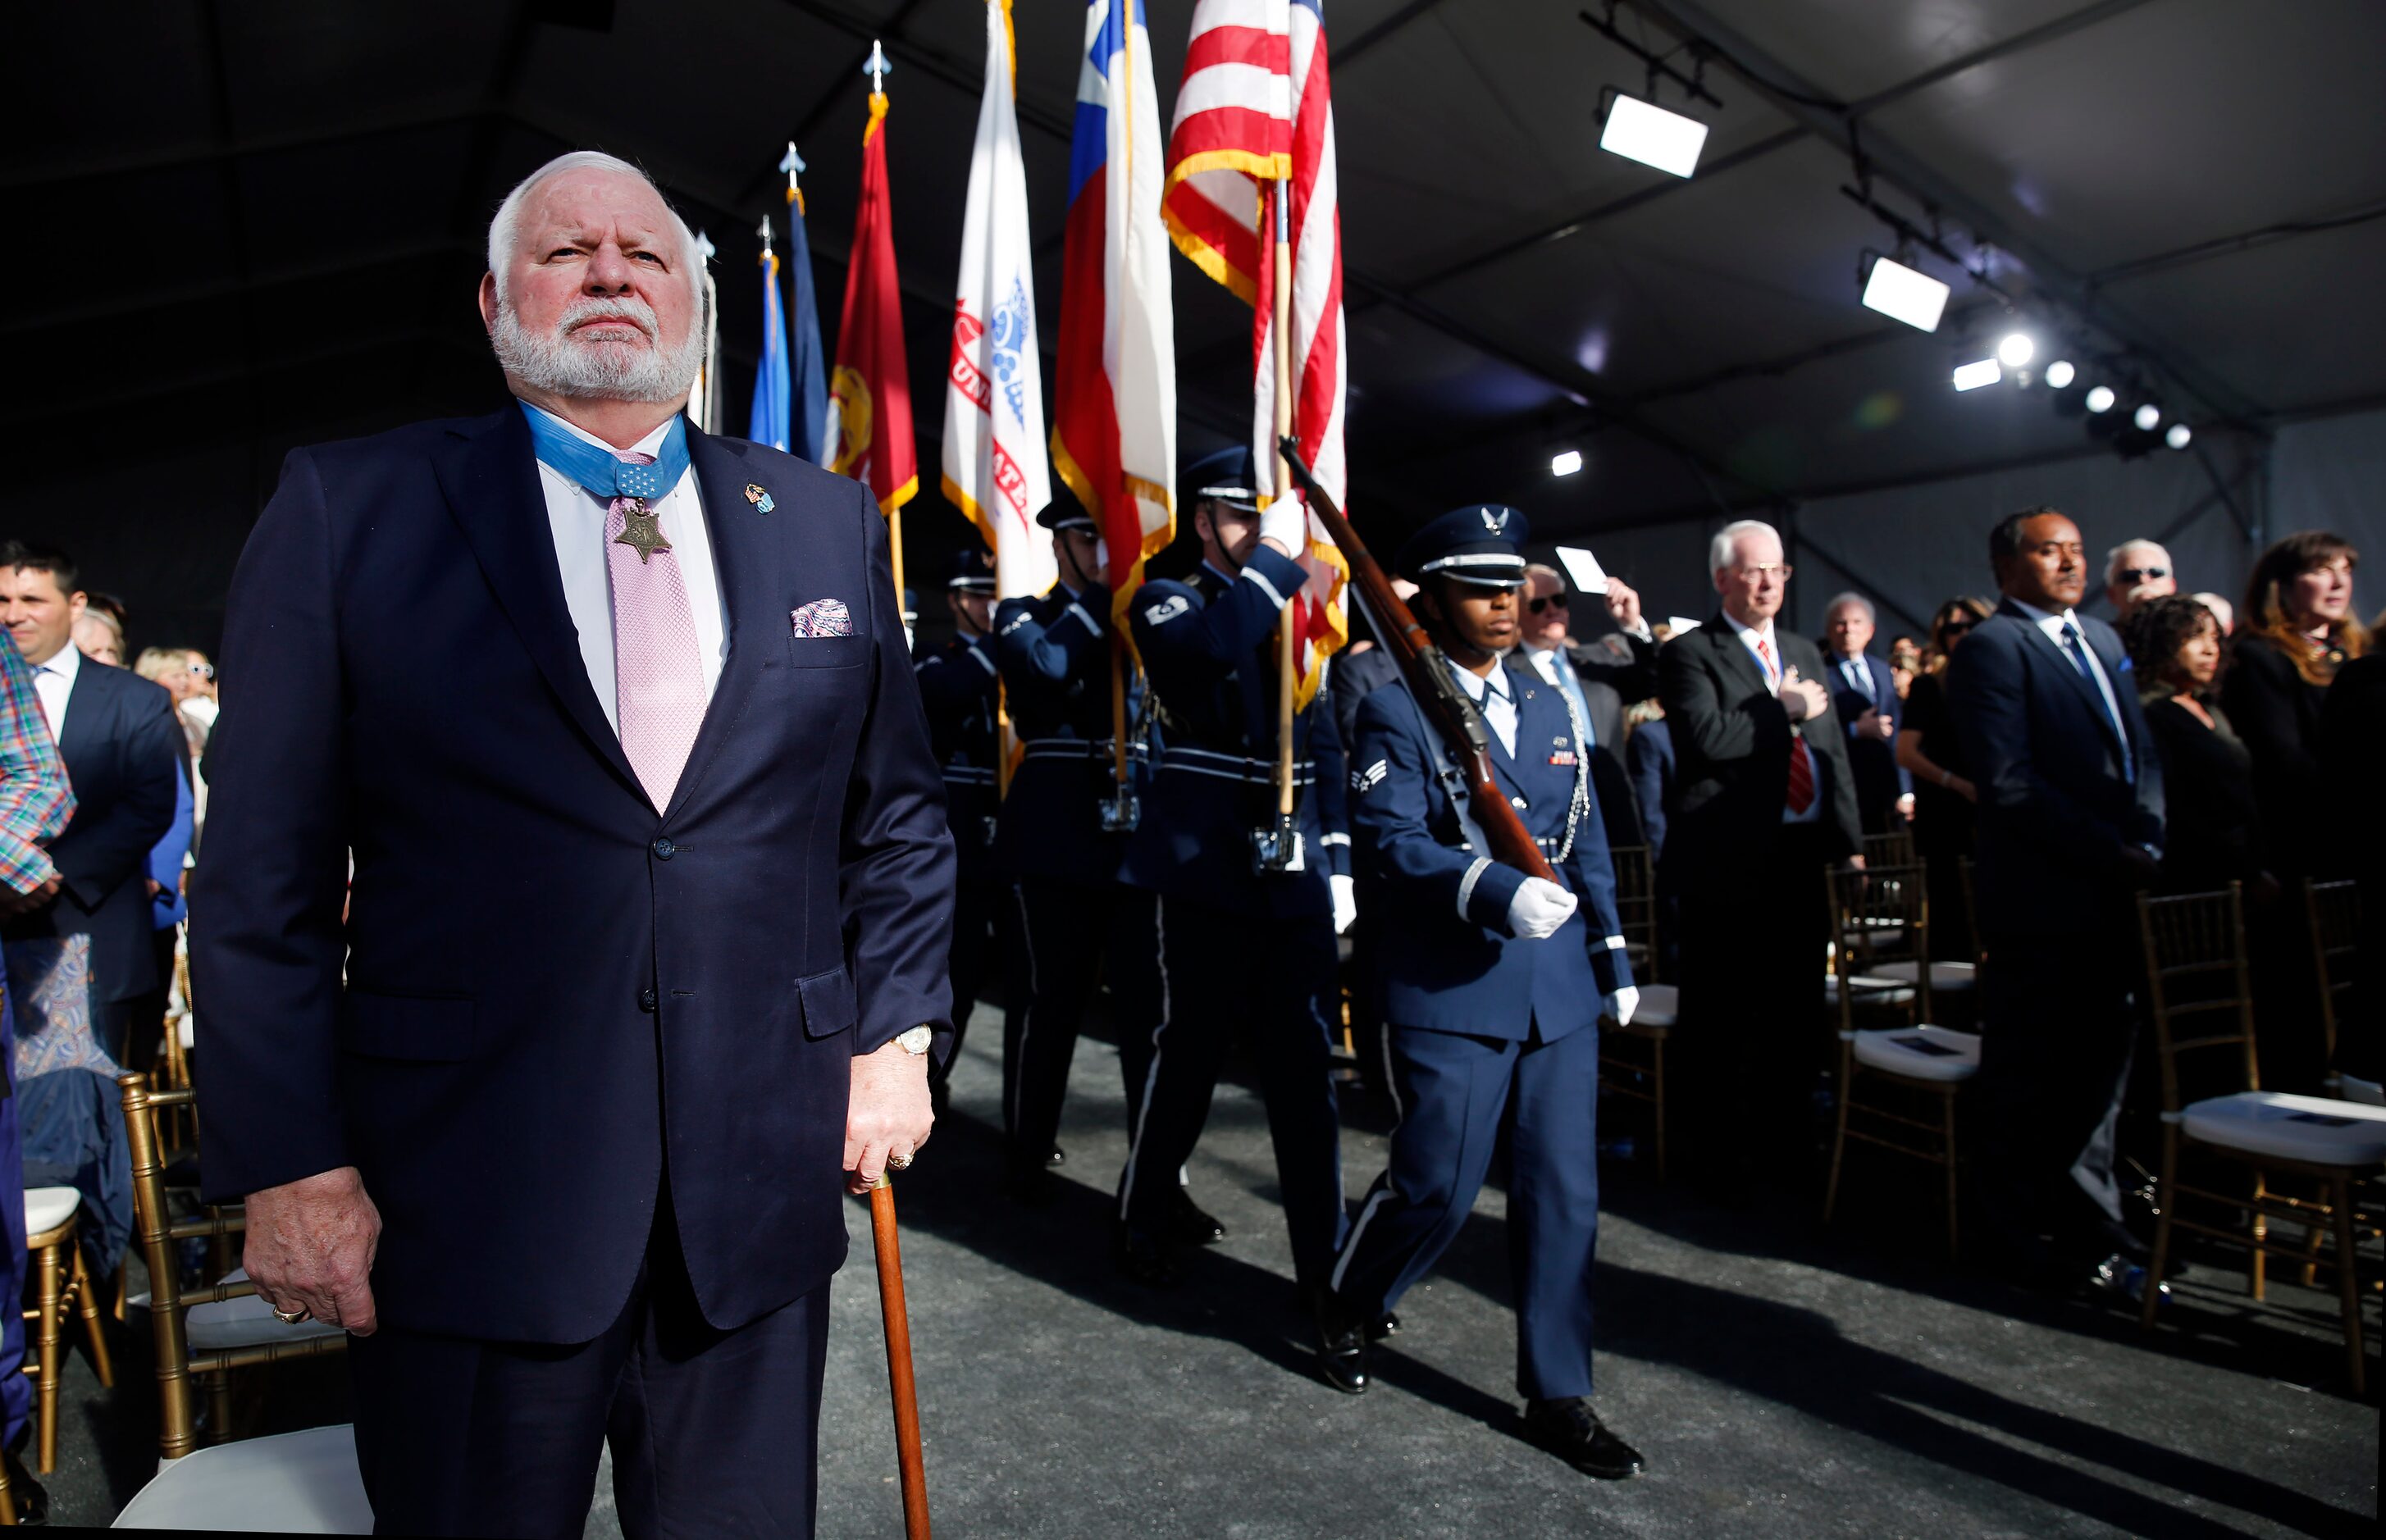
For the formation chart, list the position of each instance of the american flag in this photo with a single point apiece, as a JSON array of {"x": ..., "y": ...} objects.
[{"x": 1254, "y": 106}]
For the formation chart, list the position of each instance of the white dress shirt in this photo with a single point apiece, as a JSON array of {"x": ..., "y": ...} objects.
[
  {"x": 54, "y": 682},
  {"x": 576, "y": 517},
  {"x": 2052, "y": 625},
  {"x": 1773, "y": 674},
  {"x": 1500, "y": 714}
]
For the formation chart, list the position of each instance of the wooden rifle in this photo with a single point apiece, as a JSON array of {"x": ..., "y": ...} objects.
[{"x": 1427, "y": 672}]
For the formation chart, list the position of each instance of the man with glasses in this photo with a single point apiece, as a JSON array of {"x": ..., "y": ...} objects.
[
  {"x": 1766, "y": 801},
  {"x": 1600, "y": 679},
  {"x": 2136, "y": 571}
]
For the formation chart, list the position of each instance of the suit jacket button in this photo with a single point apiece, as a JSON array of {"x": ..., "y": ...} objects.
[
  {"x": 665, "y": 850},
  {"x": 646, "y": 999}
]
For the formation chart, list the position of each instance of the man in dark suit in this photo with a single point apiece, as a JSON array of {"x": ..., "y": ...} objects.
[
  {"x": 1864, "y": 694},
  {"x": 1765, "y": 803},
  {"x": 651, "y": 898},
  {"x": 2071, "y": 824},
  {"x": 118, "y": 734},
  {"x": 1600, "y": 679}
]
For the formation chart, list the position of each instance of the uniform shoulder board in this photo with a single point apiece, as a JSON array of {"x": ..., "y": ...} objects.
[
  {"x": 1365, "y": 781},
  {"x": 1167, "y": 610}
]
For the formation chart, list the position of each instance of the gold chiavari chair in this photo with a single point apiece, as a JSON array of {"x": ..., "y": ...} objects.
[
  {"x": 1873, "y": 911},
  {"x": 1892, "y": 848},
  {"x": 1630, "y": 1074},
  {"x": 2201, "y": 999},
  {"x": 63, "y": 1283},
  {"x": 2333, "y": 910}
]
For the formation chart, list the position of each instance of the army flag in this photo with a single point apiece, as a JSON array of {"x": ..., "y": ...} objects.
[{"x": 996, "y": 468}]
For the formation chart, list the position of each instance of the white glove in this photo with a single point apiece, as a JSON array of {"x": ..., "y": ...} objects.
[
  {"x": 1346, "y": 901},
  {"x": 1538, "y": 908},
  {"x": 1622, "y": 1004},
  {"x": 1286, "y": 523}
]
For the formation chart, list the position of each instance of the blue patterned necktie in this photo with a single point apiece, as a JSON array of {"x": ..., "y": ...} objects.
[{"x": 2075, "y": 647}]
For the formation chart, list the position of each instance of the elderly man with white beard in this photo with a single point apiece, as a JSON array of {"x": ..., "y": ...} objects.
[{"x": 645, "y": 945}]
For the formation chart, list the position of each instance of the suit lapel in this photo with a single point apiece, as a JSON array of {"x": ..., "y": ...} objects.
[
  {"x": 1736, "y": 657},
  {"x": 491, "y": 480},
  {"x": 742, "y": 564},
  {"x": 2089, "y": 695},
  {"x": 84, "y": 703}
]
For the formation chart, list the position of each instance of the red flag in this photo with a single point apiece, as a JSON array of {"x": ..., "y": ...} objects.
[{"x": 869, "y": 430}]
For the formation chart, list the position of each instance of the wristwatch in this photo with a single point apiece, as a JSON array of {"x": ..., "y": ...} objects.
[{"x": 916, "y": 1041}]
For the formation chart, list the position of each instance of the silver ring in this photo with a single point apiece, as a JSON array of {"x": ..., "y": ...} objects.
[{"x": 291, "y": 1318}]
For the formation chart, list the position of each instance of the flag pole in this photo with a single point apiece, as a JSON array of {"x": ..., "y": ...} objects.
[
  {"x": 1287, "y": 644},
  {"x": 875, "y": 67}
]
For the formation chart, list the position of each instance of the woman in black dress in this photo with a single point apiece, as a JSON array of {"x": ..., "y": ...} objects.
[
  {"x": 2212, "y": 823},
  {"x": 1926, "y": 750},
  {"x": 2296, "y": 630}
]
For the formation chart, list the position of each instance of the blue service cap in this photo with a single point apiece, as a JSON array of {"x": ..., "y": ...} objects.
[
  {"x": 1229, "y": 477},
  {"x": 1482, "y": 543},
  {"x": 1068, "y": 515},
  {"x": 973, "y": 568}
]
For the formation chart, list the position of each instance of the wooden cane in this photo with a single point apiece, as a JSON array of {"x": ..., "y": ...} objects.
[{"x": 899, "y": 1360}]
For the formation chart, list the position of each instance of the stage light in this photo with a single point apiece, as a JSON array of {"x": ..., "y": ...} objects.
[
  {"x": 2101, "y": 399},
  {"x": 2059, "y": 374},
  {"x": 1901, "y": 293},
  {"x": 1972, "y": 376},
  {"x": 1642, "y": 132},
  {"x": 2145, "y": 417},
  {"x": 2179, "y": 436},
  {"x": 2017, "y": 349},
  {"x": 1566, "y": 463}
]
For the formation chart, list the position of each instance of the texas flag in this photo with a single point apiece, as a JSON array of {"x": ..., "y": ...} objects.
[{"x": 1115, "y": 381}]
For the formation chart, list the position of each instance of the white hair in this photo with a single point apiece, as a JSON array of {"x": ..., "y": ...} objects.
[
  {"x": 1722, "y": 552},
  {"x": 2221, "y": 609},
  {"x": 1872, "y": 616},
  {"x": 2113, "y": 557},
  {"x": 502, "y": 227}
]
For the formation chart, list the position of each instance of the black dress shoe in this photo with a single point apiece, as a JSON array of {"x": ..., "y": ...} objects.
[
  {"x": 32, "y": 1501},
  {"x": 1188, "y": 1226},
  {"x": 1146, "y": 1259},
  {"x": 1057, "y": 1158},
  {"x": 1385, "y": 1325},
  {"x": 1342, "y": 1337},
  {"x": 1031, "y": 1187},
  {"x": 1571, "y": 1431}
]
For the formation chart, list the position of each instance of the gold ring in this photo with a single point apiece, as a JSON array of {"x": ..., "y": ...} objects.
[
  {"x": 898, "y": 1162},
  {"x": 291, "y": 1318}
]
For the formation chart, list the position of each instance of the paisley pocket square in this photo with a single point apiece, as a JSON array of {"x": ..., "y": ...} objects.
[{"x": 821, "y": 617}]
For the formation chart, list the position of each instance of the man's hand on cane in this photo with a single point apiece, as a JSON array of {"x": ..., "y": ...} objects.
[
  {"x": 888, "y": 1116},
  {"x": 310, "y": 1249}
]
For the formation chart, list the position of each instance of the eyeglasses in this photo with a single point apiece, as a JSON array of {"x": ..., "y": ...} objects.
[
  {"x": 1955, "y": 628},
  {"x": 204, "y": 670},
  {"x": 1759, "y": 570},
  {"x": 2141, "y": 574},
  {"x": 1547, "y": 601}
]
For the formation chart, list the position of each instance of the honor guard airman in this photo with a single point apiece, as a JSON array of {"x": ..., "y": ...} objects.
[
  {"x": 1493, "y": 987},
  {"x": 958, "y": 687},
  {"x": 1245, "y": 917}
]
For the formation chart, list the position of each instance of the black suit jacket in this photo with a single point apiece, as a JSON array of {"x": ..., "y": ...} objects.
[
  {"x": 551, "y": 998},
  {"x": 2057, "y": 810},
  {"x": 1732, "y": 738},
  {"x": 121, "y": 746},
  {"x": 1879, "y": 780},
  {"x": 1649, "y": 758}
]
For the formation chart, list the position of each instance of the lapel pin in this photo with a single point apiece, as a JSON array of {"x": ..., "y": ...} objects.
[{"x": 760, "y": 498}]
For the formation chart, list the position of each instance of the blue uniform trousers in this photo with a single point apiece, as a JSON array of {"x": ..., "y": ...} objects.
[
  {"x": 1068, "y": 937},
  {"x": 977, "y": 948},
  {"x": 1270, "y": 982},
  {"x": 1455, "y": 1092}
]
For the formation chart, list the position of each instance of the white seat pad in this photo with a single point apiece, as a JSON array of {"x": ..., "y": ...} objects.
[
  {"x": 1871, "y": 990},
  {"x": 289, "y": 1483},
  {"x": 1945, "y": 977},
  {"x": 2316, "y": 1129},
  {"x": 1661, "y": 1006},
  {"x": 1920, "y": 1052},
  {"x": 244, "y": 1321},
  {"x": 48, "y": 1207},
  {"x": 2352, "y": 1088}
]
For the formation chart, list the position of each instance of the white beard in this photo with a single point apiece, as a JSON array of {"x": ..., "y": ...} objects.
[{"x": 598, "y": 369}]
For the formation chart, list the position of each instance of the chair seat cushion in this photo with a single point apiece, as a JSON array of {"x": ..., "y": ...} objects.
[
  {"x": 2352, "y": 1088},
  {"x": 1945, "y": 977},
  {"x": 244, "y": 1321},
  {"x": 2319, "y": 1130},
  {"x": 289, "y": 1483},
  {"x": 1659, "y": 1010},
  {"x": 1920, "y": 1052},
  {"x": 48, "y": 1207},
  {"x": 1871, "y": 990}
]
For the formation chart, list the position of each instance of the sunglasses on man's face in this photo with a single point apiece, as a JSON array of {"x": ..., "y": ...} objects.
[
  {"x": 2141, "y": 574},
  {"x": 1547, "y": 601}
]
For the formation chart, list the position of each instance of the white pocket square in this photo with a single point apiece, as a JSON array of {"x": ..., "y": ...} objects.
[{"x": 821, "y": 618}]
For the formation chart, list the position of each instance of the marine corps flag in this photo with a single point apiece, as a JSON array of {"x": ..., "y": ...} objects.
[
  {"x": 995, "y": 463},
  {"x": 868, "y": 434}
]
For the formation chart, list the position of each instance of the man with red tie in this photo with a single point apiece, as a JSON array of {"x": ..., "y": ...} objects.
[
  {"x": 645, "y": 949},
  {"x": 1765, "y": 803}
]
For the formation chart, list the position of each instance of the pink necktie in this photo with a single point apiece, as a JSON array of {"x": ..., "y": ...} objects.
[{"x": 658, "y": 671}]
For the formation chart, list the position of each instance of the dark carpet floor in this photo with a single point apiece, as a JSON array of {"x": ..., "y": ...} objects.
[{"x": 1782, "y": 1380}]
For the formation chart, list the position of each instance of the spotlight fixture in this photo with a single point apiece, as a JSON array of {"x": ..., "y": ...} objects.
[
  {"x": 1566, "y": 463},
  {"x": 1648, "y": 133},
  {"x": 2179, "y": 436},
  {"x": 2100, "y": 399},
  {"x": 2016, "y": 350},
  {"x": 2146, "y": 415},
  {"x": 1972, "y": 376},
  {"x": 1902, "y": 294},
  {"x": 2059, "y": 374}
]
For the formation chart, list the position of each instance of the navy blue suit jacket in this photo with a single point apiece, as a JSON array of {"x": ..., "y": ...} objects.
[
  {"x": 1650, "y": 755},
  {"x": 123, "y": 748},
  {"x": 551, "y": 998},
  {"x": 1055, "y": 655},
  {"x": 2056, "y": 811},
  {"x": 1881, "y": 780},
  {"x": 1449, "y": 961}
]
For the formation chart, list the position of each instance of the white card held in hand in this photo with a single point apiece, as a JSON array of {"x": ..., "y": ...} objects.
[
  {"x": 1680, "y": 623},
  {"x": 1583, "y": 567}
]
